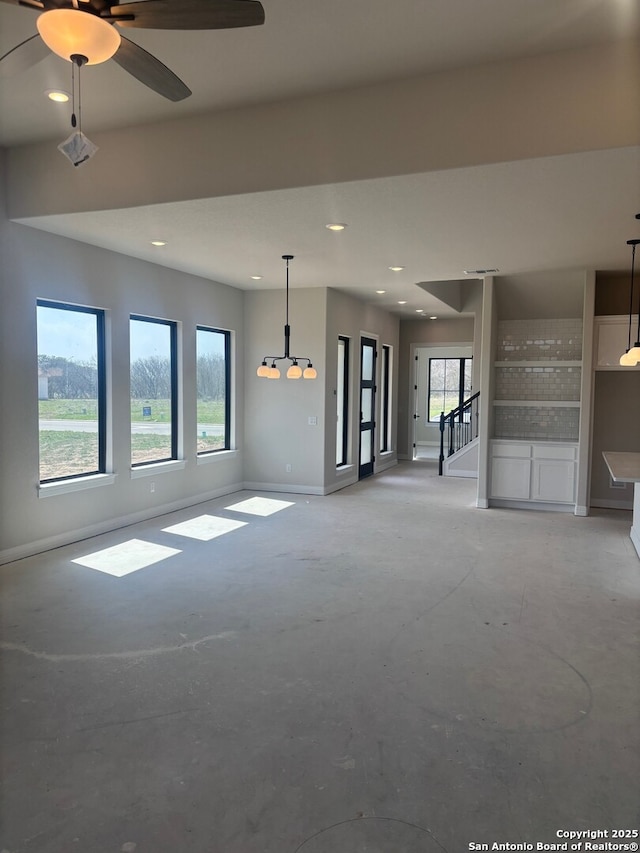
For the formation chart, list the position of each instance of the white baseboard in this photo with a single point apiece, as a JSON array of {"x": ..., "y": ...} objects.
[
  {"x": 538, "y": 505},
  {"x": 69, "y": 536},
  {"x": 582, "y": 511},
  {"x": 385, "y": 464},
  {"x": 291, "y": 488},
  {"x": 605, "y": 503},
  {"x": 635, "y": 538}
]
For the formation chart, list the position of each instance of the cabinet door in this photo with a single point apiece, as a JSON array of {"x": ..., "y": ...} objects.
[
  {"x": 510, "y": 478},
  {"x": 553, "y": 480}
]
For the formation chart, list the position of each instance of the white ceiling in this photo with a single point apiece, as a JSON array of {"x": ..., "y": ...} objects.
[{"x": 541, "y": 213}]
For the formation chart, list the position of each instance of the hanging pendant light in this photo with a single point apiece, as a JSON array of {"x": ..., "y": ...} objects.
[
  {"x": 631, "y": 356},
  {"x": 295, "y": 371}
]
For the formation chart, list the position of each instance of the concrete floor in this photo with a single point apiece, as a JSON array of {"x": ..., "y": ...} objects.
[{"x": 386, "y": 669}]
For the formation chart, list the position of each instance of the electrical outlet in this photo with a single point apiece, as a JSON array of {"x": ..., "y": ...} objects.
[
  {"x": 288, "y": 468},
  {"x": 313, "y": 420},
  {"x": 152, "y": 487}
]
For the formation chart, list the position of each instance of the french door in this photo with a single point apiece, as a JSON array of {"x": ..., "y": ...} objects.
[{"x": 367, "y": 406}]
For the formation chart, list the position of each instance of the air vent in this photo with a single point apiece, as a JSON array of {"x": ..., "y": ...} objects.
[{"x": 480, "y": 272}]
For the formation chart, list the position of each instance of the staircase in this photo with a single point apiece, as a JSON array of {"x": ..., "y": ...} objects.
[{"x": 458, "y": 433}]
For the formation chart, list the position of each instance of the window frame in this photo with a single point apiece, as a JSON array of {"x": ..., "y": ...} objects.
[
  {"x": 173, "y": 378},
  {"x": 461, "y": 389},
  {"x": 342, "y": 406},
  {"x": 385, "y": 399},
  {"x": 99, "y": 314},
  {"x": 227, "y": 389}
]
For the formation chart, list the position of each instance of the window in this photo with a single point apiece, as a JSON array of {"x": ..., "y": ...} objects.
[
  {"x": 154, "y": 398},
  {"x": 342, "y": 402},
  {"x": 449, "y": 385},
  {"x": 71, "y": 391},
  {"x": 385, "y": 399},
  {"x": 213, "y": 348}
]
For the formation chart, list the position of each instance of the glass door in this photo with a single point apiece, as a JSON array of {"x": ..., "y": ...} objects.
[{"x": 367, "y": 405}]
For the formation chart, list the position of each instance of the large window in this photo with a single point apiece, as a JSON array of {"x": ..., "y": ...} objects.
[
  {"x": 71, "y": 390},
  {"x": 385, "y": 399},
  {"x": 154, "y": 398},
  {"x": 342, "y": 402},
  {"x": 213, "y": 351},
  {"x": 449, "y": 385}
]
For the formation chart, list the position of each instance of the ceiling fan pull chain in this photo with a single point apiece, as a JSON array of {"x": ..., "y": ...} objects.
[
  {"x": 79, "y": 98},
  {"x": 73, "y": 95}
]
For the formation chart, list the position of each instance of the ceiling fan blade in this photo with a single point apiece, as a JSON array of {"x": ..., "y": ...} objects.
[
  {"x": 23, "y": 56},
  {"x": 150, "y": 71},
  {"x": 188, "y": 14}
]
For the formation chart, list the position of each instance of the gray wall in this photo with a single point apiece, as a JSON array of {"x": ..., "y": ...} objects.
[
  {"x": 351, "y": 318},
  {"x": 449, "y": 332},
  {"x": 277, "y": 431},
  {"x": 616, "y": 416},
  {"x": 37, "y": 265}
]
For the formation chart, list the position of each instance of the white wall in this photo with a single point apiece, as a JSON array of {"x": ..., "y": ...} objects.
[{"x": 38, "y": 265}]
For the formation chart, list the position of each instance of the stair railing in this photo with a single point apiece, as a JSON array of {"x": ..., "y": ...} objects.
[{"x": 461, "y": 426}]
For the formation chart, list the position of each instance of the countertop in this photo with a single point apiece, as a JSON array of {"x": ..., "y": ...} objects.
[{"x": 624, "y": 467}]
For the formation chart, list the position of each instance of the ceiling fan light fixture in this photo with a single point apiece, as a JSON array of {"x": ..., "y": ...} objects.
[{"x": 69, "y": 32}]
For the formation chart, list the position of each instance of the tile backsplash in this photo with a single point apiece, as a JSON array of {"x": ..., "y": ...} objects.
[
  {"x": 539, "y": 340},
  {"x": 536, "y": 423},
  {"x": 537, "y": 383}
]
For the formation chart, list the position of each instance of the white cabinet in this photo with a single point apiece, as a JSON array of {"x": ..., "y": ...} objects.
[
  {"x": 542, "y": 472},
  {"x": 510, "y": 478}
]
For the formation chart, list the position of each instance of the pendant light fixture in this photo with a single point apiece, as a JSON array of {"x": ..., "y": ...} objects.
[
  {"x": 295, "y": 371},
  {"x": 631, "y": 356}
]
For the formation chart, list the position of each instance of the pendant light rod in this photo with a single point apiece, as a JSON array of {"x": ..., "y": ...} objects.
[
  {"x": 633, "y": 263},
  {"x": 631, "y": 356},
  {"x": 295, "y": 371}
]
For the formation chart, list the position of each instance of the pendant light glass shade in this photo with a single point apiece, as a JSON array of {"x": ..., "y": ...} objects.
[
  {"x": 72, "y": 32},
  {"x": 310, "y": 372},
  {"x": 263, "y": 370},
  {"x": 631, "y": 357},
  {"x": 295, "y": 371},
  {"x": 274, "y": 373}
]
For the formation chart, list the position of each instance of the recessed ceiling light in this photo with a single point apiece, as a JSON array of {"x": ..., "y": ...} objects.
[
  {"x": 256, "y": 277},
  {"x": 402, "y": 301},
  {"x": 381, "y": 291},
  {"x": 419, "y": 310},
  {"x": 396, "y": 269},
  {"x": 336, "y": 226},
  {"x": 158, "y": 243},
  {"x": 57, "y": 95},
  {"x": 433, "y": 318}
]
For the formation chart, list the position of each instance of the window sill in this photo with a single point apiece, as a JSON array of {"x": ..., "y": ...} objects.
[
  {"x": 78, "y": 484},
  {"x": 344, "y": 469},
  {"x": 158, "y": 468},
  {"x": 215, "y": 456}
]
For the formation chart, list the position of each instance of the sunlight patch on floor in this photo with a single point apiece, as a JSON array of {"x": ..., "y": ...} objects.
[
  {"x": 127, "y": 557},
  {"x": 204, "y": 527},
  {"x": 260, "y": 506}
]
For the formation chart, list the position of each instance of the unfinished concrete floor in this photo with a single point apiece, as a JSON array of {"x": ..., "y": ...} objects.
[{"x": 386, "y": 669}]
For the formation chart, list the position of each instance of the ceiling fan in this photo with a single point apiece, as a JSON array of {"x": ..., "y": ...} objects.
[{"x": 87, "y": 32}]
